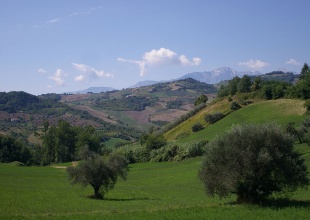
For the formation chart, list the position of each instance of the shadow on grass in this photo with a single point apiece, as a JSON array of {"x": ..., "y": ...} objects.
[
  {"x": 278, "y": 203},
  {"x": 285, "y": 203},
  {"x": 118, "y": 199},
  {"x": 124, "y": 200}
]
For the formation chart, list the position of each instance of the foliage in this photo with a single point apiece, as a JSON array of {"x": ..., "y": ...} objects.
[
  {"x": 304, "y": 71},
  {"x": 197, "y": 127},
  {"x": 307, "y": 104},
  {"x": 152, "y": 141},
  {"x": 234, "y": 106},
  {"x": 201, "y": 99},
  {"x": 61, "y": 143},
  {"x": 174, "y": 152},
  {"x": 12, "y": 149},
  {"x": 253, "y": 161},
  {"x": 175, "y": 104},
  {"x": 303, "y": 131},
  {"x": 212, "y": 118},
  {"x": 101, "y": 174}
]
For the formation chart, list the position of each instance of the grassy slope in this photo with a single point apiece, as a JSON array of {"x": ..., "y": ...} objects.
[
  {"x": 153, "y": 191},
  {"x": 281, "y": 111}
]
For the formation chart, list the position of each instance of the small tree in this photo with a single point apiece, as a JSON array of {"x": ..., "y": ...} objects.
[
  {"x": 201, "y": 99},
  {"x": 100, "y": 173},
  {"x": 253, "y": 161}
]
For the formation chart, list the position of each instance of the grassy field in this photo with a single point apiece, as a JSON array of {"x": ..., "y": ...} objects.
[
  {"x": 168, "y": 190},
  {"x": 280, "y": 111}
]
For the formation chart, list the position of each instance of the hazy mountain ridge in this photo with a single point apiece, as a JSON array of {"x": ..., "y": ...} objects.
[
  {"x": 218, "y": 75},
  {"x": 93, "y": 90}
]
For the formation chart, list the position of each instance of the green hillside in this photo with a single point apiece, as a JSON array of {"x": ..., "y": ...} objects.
[{"x": 281, "y": 111}]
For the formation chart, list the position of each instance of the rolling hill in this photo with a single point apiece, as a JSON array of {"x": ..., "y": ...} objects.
[
  {"x": 281, "y": 111},
  {"x": 143, "y": 107}
]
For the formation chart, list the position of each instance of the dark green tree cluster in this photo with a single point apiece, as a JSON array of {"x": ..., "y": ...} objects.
[
  {"x": 174, "y": 104},
  {"x": 269, "y": 89},
  {"x": 101, "y": 173},
  {"x": 12, "y": 149},
  {"x": 201, "y": 100},
  {"x": 252, "y": 161},
  {"x": 61, "y": 143}
]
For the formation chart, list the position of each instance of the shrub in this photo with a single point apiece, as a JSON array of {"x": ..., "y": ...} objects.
[
  {"x": 197, "y": 127},
  {"x": 234, "y": 106},
  {"x": 212, "y": 118},
  {"x": 253, "y": 161}
]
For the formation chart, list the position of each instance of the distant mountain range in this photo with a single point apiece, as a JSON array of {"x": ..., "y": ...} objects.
[
  {"x": 218, "y": 75},
  {"x": 209, "y": 77},
  {"x": 93, "y": 90},
  {"x": 144, "y": 83}
]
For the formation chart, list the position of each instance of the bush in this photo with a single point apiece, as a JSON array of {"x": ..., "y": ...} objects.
[
  {"x": 253, "y": 161},
  {"x": 234, "y": 106},
  {"x": 197, "y": 127},
  {"x": 212, "y": 118}
]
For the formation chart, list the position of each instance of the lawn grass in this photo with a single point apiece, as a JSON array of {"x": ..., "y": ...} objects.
[{"x": 169, "y": 190}]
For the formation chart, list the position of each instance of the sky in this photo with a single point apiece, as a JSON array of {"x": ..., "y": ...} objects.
[{"x": 57, "y": 46}]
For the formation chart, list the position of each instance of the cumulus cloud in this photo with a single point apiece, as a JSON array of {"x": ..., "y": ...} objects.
[
  {"x": 161, "y": 57},
  {"x": 42, "y": 71},
  {"x": 254, "y": 64},
  {"x": 293, "y": 62},
  {"x": 58, "y": 77},
  {"x": 89, "y": 73}
]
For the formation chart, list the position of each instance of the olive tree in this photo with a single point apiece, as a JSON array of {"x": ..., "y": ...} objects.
[
  {"x": 101, "y": 173},
  {"x": 252, "y": 161}
]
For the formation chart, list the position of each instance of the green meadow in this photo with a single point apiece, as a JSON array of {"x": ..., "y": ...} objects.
[{"x": 168, "y": 190}]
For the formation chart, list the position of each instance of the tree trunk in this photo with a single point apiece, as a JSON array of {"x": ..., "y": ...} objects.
[{"x": 97, "y": 193}]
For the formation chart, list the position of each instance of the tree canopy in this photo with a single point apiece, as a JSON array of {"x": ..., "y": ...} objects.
[
  {"x": 101, "y": 173},
  {"x": 253, "y": 161}
]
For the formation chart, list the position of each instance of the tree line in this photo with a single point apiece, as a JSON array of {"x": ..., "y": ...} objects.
[{"x": 269, "y": 89}]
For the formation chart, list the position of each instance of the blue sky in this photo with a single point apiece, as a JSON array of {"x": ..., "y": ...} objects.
[{"x": 56, "y": 46}]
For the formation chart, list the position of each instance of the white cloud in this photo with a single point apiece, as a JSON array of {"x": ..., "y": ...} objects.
[
  {"x": 42, "y": 71},
  {"x": 79, "y": 78},
  {"x": 161, "y": 57},
  {"x": 53, "y": 20},
  {"x": 254, "y": 64},
  {"x": 58, "y": 77},
  {"x": 293, "y": 62},
  {"x": 89, "y": 73}
]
